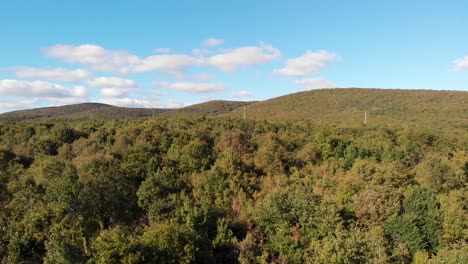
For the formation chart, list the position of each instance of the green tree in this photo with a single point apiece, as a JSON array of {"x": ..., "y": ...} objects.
[
  {"x": 420, "y": 224},
  {"x": 169, "y": 242},
  {"x": 114, "y": 246},
  {"x": 158, "y": 194}
]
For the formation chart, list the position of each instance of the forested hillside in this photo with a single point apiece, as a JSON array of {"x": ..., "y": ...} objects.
[
  {"x": 210, "y": 108},
  {"x": 229, "y": 190},
  {"x": 441, "y": 109},
  {"x": 81, "y": 111},
  {"x": 383, "y": 106}
]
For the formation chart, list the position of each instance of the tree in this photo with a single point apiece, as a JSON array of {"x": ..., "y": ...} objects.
[
  {"x": 114, "y": 246},
  {"x": 420, "y": 224},
  {"x": 270, "y": 156},
  {"x": 67, "y": 241},
  {"x": 158, "y": 194},
  {"x": 107, "y": 195},
  {"x": 169, "y": 242}
]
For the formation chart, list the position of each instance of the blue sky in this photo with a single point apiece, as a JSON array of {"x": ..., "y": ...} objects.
[{"x": 176, "y": 53}]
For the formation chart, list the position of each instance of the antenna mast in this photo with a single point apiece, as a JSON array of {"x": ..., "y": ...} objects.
[{"x": 244, "y": 111}]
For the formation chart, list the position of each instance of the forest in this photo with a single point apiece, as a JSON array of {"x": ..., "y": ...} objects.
[{"x": 231, "y": 190}]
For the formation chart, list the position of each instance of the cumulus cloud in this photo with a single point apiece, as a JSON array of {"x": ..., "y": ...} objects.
[
  {"x": 241, "y": 94},
  {"x": 23, "y": 103},
  {"x": 55, "y": 74},
  {"x": 231, "y": 60},
  {"x": 25, "y": 95},
  {"x": 172, "y": 104},
  {"x": 127, "y": 102},
  {"x": 112, "y": 82},
  {"x": 309, "y": 63},
  {"x": 211, "y": 42},
  {"x": 193, "y": 87},
  {"x": 115, "y": 92},
  {"x": 171, "y": 63},
  {"x": 461, "y": 64},
  {"x": 39, "y": 89},
  {"x": 316, "y": 83},
  {"x": 65, "y": 101},
  {"x": 201, "y": 52},
  {"x": 122, "y": 62},
  {"x": 98, "y": 58},
  {"x": 113, "y": 86},
  {"x": 164, "y": 50},
  {"x": 204, "y": 76},
  {"x": 137, "y": 102}
]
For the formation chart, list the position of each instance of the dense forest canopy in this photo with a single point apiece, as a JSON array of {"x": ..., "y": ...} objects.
[{"x": 228, "y": 190}]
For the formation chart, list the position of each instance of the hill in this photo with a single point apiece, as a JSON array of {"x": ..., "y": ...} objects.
[
  {"x": 77, "y": 111},
  {"x": 211, "y": 108},
  {"x": 383, "y": 106},
  {"x": 97, "y": 110},
  {"x": 341, "y": 106}
]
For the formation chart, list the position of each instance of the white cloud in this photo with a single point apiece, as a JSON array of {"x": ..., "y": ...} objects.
[
  {"x": 98, "y": 58},
  {"x": 65, "y": 101},
  {"x": 309, "y": 63},
  {"x": 112, "y": 82},
  {"x": 241, "y": 94},
  {"x": 113, "y": 86},
  {"x": 115, "y": 92},
  {"x": 26, "y": 95},
  {"x": 55, "y": 74},
  {"x": 193, "y": 87},
  {"x": 316, "y": 83},
  {"x": 461, "y": 64},
  {"x": 24, "y": 103},
  {"x": 204, "y": 77},
  {"x": 127, "y": 102},
  {"x": 230, "y": 60},
  {"x": 171, "y": 63},
  {"x": 80, "y": 91},
  {"x": 201, "y": 52},
  {"x": 39, "y": 89},
  {"x": 211, "y": 42},
  {"x": 136, "y": 102},
  {"x": 164, "y": 50},
  {"x": 122, "y": 62},
  {"x": 172, "y": 104}
]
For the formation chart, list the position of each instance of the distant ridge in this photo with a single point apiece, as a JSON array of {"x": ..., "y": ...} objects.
[
  {"x": 97, "y": 110},
  {"x": 211, "y": 108},
  {"x": 343, "y": 105},
  {"x": 347, "y": 105},
  {"x": 77, "y": 111}
]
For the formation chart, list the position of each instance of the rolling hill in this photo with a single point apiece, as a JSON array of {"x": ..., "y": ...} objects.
[
  {"x": 344, "y": 105},
  {"x": 383, "y": 106},
  {"x": 97, "y": 110},
  {"x": 211, "y": 108},
  {"x": 77, "y": 111}
]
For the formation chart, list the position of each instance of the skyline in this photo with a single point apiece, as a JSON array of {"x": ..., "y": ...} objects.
[{"x": 155, "y": 54}]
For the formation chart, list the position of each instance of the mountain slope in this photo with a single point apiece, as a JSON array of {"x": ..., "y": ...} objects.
[
  {"x": 348, "y": 106},
  {"x": 85, "y": 110},
  {"x": 211, "y": 108},
  {"x": 383, "y": 106},
  {"x": 96, "y": 110}
]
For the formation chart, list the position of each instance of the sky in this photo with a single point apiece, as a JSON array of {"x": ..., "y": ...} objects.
[{"x": 175, "y": 53}]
